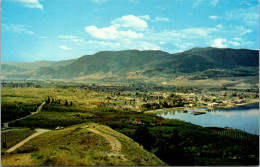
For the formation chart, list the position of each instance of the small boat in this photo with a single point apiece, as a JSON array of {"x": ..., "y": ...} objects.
[{"x": 198, "y": 112}]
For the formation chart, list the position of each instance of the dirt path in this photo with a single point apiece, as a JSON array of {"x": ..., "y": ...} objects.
[
  {"x": 32, "y": 113},
  {"x": 114, "y": 144},
  {"x": 38, "y": 132}
]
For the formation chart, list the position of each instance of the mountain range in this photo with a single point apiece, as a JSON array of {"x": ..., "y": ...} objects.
[{"x": 143, "y": 66}]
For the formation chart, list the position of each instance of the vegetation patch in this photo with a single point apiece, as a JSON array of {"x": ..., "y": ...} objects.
[{"x": 10, "y": 138}]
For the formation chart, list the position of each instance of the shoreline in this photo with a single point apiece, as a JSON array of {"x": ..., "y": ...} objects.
[{"x": 197, "y": 108}]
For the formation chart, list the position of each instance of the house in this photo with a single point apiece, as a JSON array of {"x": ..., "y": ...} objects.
[
  {"x": 137, "y": 122},
  {"x": 59, "y": 127},
  {"x": 212, "y": 104},
  {"x": 191, "y": 105}
]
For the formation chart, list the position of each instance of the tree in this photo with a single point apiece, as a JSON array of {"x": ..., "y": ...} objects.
[
  {"x": 48, "y": 100},
  {"x": 66, "y": 102},
  {"x": 4, "y": 145},
  {"x": 143, "y": 137},
  {"x": 171, "y": 150}
]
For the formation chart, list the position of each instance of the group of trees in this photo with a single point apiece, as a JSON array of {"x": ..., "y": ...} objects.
[
  {"x": 164, "y": 104},
  {"x": 57, "y": 101},
  {"x": 169, "y": 148}
]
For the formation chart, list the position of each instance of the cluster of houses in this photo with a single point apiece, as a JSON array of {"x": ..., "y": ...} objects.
[
  {"x": 209, "y": 99},
  {"x": 205, "y": 98}
]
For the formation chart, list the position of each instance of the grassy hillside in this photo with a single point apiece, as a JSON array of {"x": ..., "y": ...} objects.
[{"x": 77, "y": 145}]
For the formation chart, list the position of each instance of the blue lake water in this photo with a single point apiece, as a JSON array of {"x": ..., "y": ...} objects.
[{"x": 243, "y": 117}]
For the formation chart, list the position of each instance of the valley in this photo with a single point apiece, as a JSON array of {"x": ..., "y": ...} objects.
[{"x": 118, "y": 124}]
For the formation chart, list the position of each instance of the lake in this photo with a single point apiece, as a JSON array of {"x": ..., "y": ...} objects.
[{"x": 245, "y": 117}]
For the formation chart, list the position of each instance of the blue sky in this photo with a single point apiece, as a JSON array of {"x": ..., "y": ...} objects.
[{"x": 34, "y": 30}]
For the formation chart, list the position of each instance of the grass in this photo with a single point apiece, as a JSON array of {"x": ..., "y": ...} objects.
[
  {"x": 13, "y": 137},
  {"x": 18, "y": 160},
  {"x": 76, "y": 146},
  {"x": 133, "y": 150}
]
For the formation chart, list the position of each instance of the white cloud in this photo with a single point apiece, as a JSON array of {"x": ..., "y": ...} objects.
[
  {"x": 219, "y": 43},
  {"x": 196, "y": 3},
  {"x": 141, "y": 45},
  {"x": 237, "y": 39},
  {"x": 110, "y": 44},
  {"x": 130, "y": 34},
  {"x": 157, "y": 19},
  {"x": 234, "y": 43},
  {"x": 111, "y": 33},
  {"x": 145, "y": 17},
  {"x": 43, "y": 37},
  {"x": 162, "y": 43},
  {"x": 102, "y": 33},
  {"x": 63, "y": 47},
  {"x": 71, "y": 38},
  {"x": 197, "y": 32},
  {"x": 220, "y": 26},
  {"x": 17, "y": 28},
  {"x": 248, "y": 16},
  {"x": 130, "y": 21},
  {"x": 214, "y": 3},
  {"x": 122, "y": 34},
  {"x": 31, "y": 3},
  {"x": 183, "y": 45},
  {"x": 213, "y": 17},
  {"x": 242, "y": 31}
]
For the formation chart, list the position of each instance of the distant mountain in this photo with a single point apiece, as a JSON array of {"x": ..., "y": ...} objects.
[
  {"x": 143, "y": 66},
  {"x": 38, "y": 64}
]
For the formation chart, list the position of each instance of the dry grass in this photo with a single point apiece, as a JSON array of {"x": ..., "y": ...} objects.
[{"x": 18, "y": 160}]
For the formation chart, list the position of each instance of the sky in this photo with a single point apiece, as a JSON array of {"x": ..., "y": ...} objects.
[{"x": 33, "y": 30}]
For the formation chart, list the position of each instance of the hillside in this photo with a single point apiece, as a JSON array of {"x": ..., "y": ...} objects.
[
  {"x": 144, "y": 66},
  {"x": 78, "y": 145}
]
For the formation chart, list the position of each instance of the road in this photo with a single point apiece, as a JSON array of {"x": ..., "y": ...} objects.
[
  {"x": 32, "y": 113},
  {"x": 38, "y": 132}
]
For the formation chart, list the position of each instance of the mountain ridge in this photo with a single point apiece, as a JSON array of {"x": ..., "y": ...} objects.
[{"x": 145, "y": 66}]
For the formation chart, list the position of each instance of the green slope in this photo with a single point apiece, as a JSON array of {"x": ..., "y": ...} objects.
[{"x": 78, "y": 145}]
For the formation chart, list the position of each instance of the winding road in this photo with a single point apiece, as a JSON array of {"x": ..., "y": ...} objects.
[
  {"x": 38, "y": 132},
  {"x": 32, "y": 113}
]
